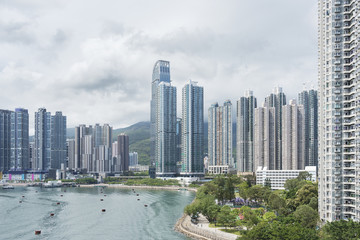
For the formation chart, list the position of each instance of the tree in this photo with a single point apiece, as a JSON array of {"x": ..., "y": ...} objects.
[
  {"x": 275, "y": 202},
  {"x": 314, "y": 203},
  {"x": 269, "y": 216},
  {"x": 243, "y": 190},
  {"x": 193, "y": 209},
  {"x": 292, "y": 186},
  {"x": 229, "y": 190},
  {"x": 341, "y": 229},
  {"x": 306, "y": 216},
  {"x": 306, "y": 193},
  {"x": 267, "y": 183},
  {"x": 304, "y": 176},
  {"x": 277, "y": 230},
  {"x": 226, "y": 217}
]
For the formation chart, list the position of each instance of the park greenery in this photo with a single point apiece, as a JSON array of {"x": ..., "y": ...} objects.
[
  {"x": 267, "y": 214},
  {"x": 141, "y": 181}
]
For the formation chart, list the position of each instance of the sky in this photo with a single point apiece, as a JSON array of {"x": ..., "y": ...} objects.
[{"x": 93, "y": 60}]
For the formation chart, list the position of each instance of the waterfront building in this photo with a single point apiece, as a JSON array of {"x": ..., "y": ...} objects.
[
  {"x": 163, "y": 121},
  {"x": 245, "y": 132},
  {"x": 31, "y": 154},
  {"x": 58, "y": 140},
  {"x": 178, "y": 139},
  {"x": 165, "y": 147},
  {"x": 338, "y": 110},
  {"x": 309, "y": 100},
  {"x": 20, "y": 139},
  {"x": 276, "y": 100},
  {"x": 220, "y": 134},
  {"x": 123, "y": 151},
  {"x": 5, "y": 140},
  {"x": 133, "y": 159},
  {"x": 192, "y": 129},
  {"x": 161, "y": 73},
  {"x": 265, "y": 138},
  {"x": 42, "y": 140},
  {"x": 293, "y": 136},
  {"x": 80, "y": 132},
  {"x": 70, "y": 153},
  {"x": 277, "y": 178}
]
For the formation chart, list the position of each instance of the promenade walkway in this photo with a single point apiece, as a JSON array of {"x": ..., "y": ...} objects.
[{"x": 201, "y": 230}]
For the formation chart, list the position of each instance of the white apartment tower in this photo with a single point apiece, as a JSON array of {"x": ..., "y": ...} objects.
[{"x": 338, "y": 115}]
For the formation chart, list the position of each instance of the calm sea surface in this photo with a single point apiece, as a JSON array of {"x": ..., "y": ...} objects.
[{"x": 79, "y": 214}]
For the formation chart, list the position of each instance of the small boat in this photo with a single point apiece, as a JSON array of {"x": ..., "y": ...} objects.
[
  {"x": 104, "y": 195},
  {"x": 138, "y": 199},
  {"x": 101, "y": 199},
  {"x": 103, "y": 210},
  {"x": 57, "y": 203},
  {"x": 20, "y": 201},
  {"x": 23, "y": 196},
  {"x": 61, "y": 195},
  {"x": 8, "y": 187},
  {"x": 137, "y": 194},
  {"x": 51, "y": 214},
  {"x": 145, "y": 205},
  {"x": 37, "y": 232}
]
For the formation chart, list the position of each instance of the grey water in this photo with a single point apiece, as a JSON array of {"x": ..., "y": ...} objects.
[{"x": 79, "y": 214}]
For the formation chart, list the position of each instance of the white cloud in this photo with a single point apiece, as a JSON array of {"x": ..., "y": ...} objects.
[{"x": 94, "y": 63}]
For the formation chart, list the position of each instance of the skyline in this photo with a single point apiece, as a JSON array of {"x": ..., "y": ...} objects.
[{"x": 97, "y": 68}]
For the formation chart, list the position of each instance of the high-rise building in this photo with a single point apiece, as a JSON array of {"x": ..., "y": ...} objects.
[
  {"x": 161, "y": 73},
  {"x": 58, "y": 140},
  {"x": 165, "y": 141},
  {"x": 178, "y": 139},
  {"x": 93, "y": 148},
  {"x": 133, "y": 159},
  {"x": 70, "y": 153},
  {"x": 5, "y": 140},
  {"x": 123, "y": 151},
  {"x": 80, "y": 133},
  {"x": 264, "y": 138},
  {"x": 192, "y": 129},
  {"x": 276, "y": 100},
  {"x": 220, "y": 134},
  {"x": 309, "y": 100},
  {"x": 245, "y": 132},
  {"x": 338, "y": 109},
  {"x": 293, "y": 137},
  {"x": 42, "y": 140},
  {"x": 20, "y": 139}
]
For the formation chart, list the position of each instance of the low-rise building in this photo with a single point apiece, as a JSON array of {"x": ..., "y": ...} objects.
[{"x": 277, "y": 178}]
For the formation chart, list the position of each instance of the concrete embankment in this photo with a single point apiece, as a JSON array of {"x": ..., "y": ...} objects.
[{"x": 201, "y": 231}]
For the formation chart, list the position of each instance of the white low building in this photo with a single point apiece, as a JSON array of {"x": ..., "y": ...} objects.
[{"x": 278, "y": 178}]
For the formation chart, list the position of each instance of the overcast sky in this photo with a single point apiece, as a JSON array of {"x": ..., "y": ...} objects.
[{"x": 93, "y": 60}]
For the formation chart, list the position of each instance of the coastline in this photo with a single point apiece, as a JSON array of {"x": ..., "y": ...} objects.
[
  {"x": 201, "y": 231},
  {"x": 172, "y": 188}
]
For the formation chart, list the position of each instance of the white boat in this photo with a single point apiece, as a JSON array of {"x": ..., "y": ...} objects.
[{"x": 7, "y": 187}]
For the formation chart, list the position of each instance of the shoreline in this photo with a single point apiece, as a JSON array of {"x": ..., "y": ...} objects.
[
  {"x": 172, "y": 188},
  {"x": 201, "y": 231}
]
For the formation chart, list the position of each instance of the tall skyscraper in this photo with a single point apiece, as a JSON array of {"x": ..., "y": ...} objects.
[
  {"x": 165, "y": 147},
  {"x": 293, "y": 134},
  {"x": 309, "y": 100},
  {"x": 245, "y": 132},
  {"x": 220, "y": 134},
  {"x": 338, "y": 112},
  {"x": 123, "y": 151},
  {"x": 161, "y": 73},
  {"x": 265, "y": 138},
  {"x": 5, "y": 140},
  {"x": 20, "y": 139},
  {"x": 42, "y": 140},
  {"x": 133, "y": 159},
  {"x": 80, "y": 133},
  {"x": 192, "y": 129},
  {"x": 276, "y": 100},
  {"x": 58, "y": 140}
]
